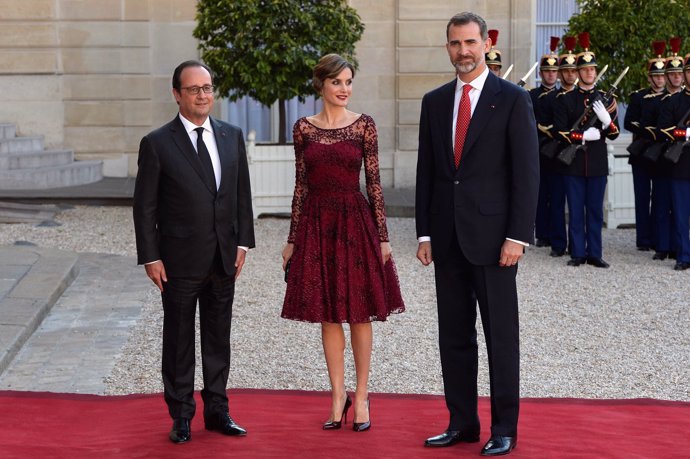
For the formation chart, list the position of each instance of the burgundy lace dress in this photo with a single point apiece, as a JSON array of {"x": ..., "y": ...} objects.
[{"x": 336, "y": 272}]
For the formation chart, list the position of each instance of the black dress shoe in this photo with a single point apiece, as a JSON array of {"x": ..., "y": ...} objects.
[
  {"x": 681, "y": 266},
  {"x": 598, "y": 262},
  {"x": 181, "y": 432},
  {"x": 498, "y": 445},
  {"x": 333, "y": 425},
  {"x": 363, "y": 426},
  {"x": 576, "y": 261},
  {"x": 223, "y": 423},
  {"x": 557, "y": 253},
  {"x": 451, "y": 437},
  {"x": 660, "y": 256},
  {"x": 542, "y": 243},
  {"x": 643, "y": 248}
]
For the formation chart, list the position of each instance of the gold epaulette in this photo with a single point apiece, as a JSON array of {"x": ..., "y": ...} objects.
[{"x": 652, "y": 95}]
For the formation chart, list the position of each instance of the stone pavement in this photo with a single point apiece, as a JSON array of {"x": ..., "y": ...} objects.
[
  {"x": 89, "y": 301},
  {"x": 64, "y": 316}
]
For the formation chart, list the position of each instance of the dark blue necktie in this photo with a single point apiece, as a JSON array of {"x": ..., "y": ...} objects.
[{"x": 205, "y": 159}]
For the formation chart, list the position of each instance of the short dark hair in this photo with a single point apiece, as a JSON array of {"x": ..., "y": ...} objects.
[
  {"x": 465, "y": 18},
  {"x": 178, "y": 71},
  {"x": 329, "y": 66}
]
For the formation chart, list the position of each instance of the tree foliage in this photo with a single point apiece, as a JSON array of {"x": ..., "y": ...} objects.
[
  {"x": 266, "y": 49},
  {"x": 622, "y": 31}
]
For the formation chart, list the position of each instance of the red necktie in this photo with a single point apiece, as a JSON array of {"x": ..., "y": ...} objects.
[{"x": 462, "y": 123}]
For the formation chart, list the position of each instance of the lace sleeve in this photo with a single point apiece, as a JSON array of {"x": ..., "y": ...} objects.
[
  {"x": 300, "y": 182},
  {"x": 371, "y": 172}
]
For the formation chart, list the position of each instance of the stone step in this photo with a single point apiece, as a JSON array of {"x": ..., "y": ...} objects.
[
  {"x": 75, "y": 173},
  {"x": 15, "y": 212},
  {"x": 7, "y": 131},
  {"x": 21, "y": 145},
  {"x": 37, "y": 279},
  {"x": 44, "y": 158}
]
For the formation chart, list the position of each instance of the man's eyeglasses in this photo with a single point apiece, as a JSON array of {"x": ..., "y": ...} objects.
[{"x": 207, "y": 88}]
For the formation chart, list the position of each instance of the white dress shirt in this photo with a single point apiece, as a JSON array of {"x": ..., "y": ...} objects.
[{"x": 209, "y": 140}]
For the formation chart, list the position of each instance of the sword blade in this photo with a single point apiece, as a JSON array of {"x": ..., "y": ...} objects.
[
  {"x": 601, "y": 74},
  {"x": 523, "y": 80},
  {"x": 510, "y": 69},
  {"x": 620, "y": 77}
]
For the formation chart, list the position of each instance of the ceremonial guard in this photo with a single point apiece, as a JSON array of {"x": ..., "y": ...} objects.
[
  {"x": 665, "y": 239},
  {"x": 674, "y": 125},
  {"x": 567, "y": 74},
  {"x": 641, "y": 119},
  {"x": 548, "y": 70},
  {"x": 586, "y": 171},
  {"x": 493, "y": 57}
]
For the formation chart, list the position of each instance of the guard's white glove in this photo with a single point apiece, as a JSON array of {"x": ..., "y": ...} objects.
[
  {"x": 602, "y": 113},
  {"x": 591, "y": 134},
  {"x": 687, "y": 133}
]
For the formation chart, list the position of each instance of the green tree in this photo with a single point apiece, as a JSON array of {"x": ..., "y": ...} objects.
[
  {"x": 266, "y": 49},
  {"x": 622, "y": 31}
]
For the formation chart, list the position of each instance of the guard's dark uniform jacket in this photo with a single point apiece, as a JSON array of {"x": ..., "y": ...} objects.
[
  {"x": 592, "y": 161},
  {"x": 671, "y": 112}
]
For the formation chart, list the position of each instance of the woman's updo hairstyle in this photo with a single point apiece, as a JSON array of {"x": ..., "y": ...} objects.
[{"x": 329, "y": 66}]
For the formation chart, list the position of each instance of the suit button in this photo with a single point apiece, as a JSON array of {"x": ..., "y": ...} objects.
[{"x": 457, "y": 182}]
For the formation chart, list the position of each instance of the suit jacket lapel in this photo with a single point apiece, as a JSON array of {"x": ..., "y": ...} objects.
[
  {"x": 483, "y": 111},
  {"x": 224, "y": 150},
  {"x": 181, "y": 139},
  {"x": 446, "y": 107}
]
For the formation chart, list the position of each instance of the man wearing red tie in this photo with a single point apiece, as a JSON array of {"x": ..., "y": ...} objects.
[{"x": 476, "y": 198}]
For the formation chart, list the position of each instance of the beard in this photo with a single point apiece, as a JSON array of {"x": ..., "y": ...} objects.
[{"x": 465, "y": 67}]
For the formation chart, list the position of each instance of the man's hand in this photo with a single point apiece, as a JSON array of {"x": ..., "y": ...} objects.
[
  {"x": 156, "y": 272},
  {"x": 386, "y": 251},
  {"x": 591, "y": 134},
  {"x": 239, "y": 261},
  {"x": 424, "y": 253},
  {"x": 602, "y": 113},
  {"x": 511, "y": 252}
]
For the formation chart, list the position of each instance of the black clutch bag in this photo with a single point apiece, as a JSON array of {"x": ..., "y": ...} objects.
[
  {"x": 654, "y": 151},
  {"x": 287, "y": 269},
  {"x": 638, "y": 147}
]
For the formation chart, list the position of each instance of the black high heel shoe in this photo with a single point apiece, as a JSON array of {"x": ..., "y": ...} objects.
[
  {"x": 333, "y": 425},
  {"x": 362, "y": 426}
]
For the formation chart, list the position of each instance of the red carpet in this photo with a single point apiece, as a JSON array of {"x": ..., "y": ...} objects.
[{"x": 288, "y": 424}]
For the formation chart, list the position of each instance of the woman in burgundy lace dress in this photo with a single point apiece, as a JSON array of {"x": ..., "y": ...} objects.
[{"x": 340, "y": 266}]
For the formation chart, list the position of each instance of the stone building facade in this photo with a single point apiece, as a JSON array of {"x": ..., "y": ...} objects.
[{"x": 94, "y": 75}]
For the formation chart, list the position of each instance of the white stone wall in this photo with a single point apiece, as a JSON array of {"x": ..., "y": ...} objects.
[{"x": 94, "y": 75}]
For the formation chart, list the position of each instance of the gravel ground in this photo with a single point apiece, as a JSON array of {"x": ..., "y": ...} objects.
[{"x": 585, "y": 332}]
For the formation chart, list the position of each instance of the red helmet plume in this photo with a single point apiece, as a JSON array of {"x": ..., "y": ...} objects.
[
  {"x": 493, "y": 34},
  {"x": 583, "y": 38},
  {"x": 554, "y": 43},
  {"x": 659, "y": 47}
]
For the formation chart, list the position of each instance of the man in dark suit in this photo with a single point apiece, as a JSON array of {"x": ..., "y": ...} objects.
[
  {"x": 194, "y": 224},
  {"x": 476, "y": 198}
]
